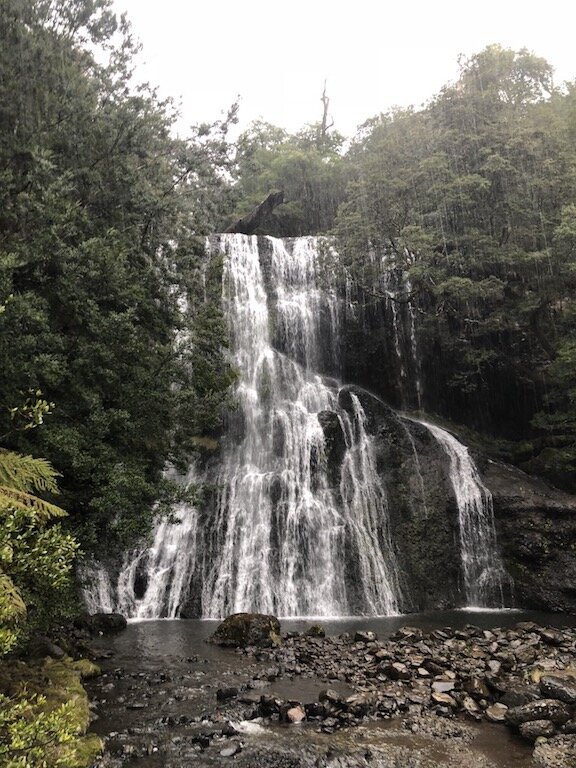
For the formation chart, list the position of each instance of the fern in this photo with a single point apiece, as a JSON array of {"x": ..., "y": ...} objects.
[
  {"x": 25, "y": 473},
  {"x": 31, "y": 505}
]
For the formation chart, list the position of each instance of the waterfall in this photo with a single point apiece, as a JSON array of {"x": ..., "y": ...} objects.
[
  {"x": 296, "y": 517},
  {"x": 485, "y": 578},
  {"x": 288, "y": 541},
  {"x": 153, "y": 580}
]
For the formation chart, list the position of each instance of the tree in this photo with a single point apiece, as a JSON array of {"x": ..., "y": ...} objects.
[
  {"x": 466, "y": 196},
  {"x": 100, "y": 209}
]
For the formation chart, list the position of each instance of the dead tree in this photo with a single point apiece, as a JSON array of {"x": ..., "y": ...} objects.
[{"x": 248, "y": 224}]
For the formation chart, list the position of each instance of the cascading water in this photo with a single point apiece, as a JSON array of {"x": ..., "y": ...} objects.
[
  {"x": 485, "y": 578},
  {"x": 288, "y": 528},
  {"x": 286, "y": 540}
]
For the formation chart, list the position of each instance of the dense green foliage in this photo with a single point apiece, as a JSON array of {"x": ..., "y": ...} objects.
[
  {"x": 474, "y": 197},
  {"x": 307, "y": 167},
  {"x": 99, "y": 210}
]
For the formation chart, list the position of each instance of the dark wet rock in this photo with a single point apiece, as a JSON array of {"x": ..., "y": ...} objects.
[
  {"x": 365, "y": 636},
  {"x": 246, "y": 629},
  {"x": 543, "y": 709},
  {"x": 315, "y": 710},
  {"x": 224, "y": 694},
  {"x": 43, "y": 646},
  {"x": 334, "y": 443},
  {"x": 107, "y": 623},
  {"x": 397, "y": 671},
  {"x": 569, "y": 727},
  {"x": 561, "y": 688},
  {"x": 536, "y": 529},
  {"x": 518, "y": 694},
  {"x": 533, "y": 729}
]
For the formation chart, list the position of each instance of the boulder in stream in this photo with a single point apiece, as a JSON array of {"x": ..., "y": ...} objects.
[
  {"x": 243, "y": 629},
  {"x": 107, "y": 623}
]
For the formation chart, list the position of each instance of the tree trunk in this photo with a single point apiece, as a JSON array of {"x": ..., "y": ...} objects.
[{"x": 248, "y": 224}]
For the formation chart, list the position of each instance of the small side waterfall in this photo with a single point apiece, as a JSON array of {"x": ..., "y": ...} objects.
[
  {"x": 485, "y": 578},
  {"x": 296, "y": 520},
  {"x": 152, "y": 581}
]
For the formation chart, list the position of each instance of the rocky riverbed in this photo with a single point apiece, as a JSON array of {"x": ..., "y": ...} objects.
[{"x": 469, "y": 696}]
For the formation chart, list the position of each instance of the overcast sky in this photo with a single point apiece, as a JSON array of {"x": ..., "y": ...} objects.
[{"x": 373, "y": 54}]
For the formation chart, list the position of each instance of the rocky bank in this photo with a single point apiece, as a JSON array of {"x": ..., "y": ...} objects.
[{"x": 466, "y": 697}]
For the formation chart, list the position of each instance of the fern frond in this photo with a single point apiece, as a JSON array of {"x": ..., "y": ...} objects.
[
  {"x": 12, "y": 607},
  {"x": 31, "y": 505},
  {"x": 27, "y": 473}
]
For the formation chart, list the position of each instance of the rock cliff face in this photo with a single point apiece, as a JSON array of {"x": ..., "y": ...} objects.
[
  {"x": 536, "y": 524},
  {"x": 423, "y": 514}
]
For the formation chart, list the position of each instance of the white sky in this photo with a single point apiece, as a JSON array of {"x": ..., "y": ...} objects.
[{"x": 374, "y": 55}]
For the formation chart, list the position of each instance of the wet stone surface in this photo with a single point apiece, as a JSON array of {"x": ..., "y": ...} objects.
[{"x": 414, "y": 699}]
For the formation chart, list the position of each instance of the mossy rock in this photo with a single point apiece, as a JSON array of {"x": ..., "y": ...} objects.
[
  {"x": 316, "y": 630},
  {"x": 243, "y": 629},
  {"x": 87, "y": 669}
]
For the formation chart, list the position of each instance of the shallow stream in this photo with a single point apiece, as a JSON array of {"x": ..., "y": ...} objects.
[{"x": 156, "y": 703}]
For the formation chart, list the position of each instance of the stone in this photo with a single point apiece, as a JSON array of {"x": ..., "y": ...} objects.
[
  {"x": 443, "y": 686},
  {"x": 398, "y": 671},
  {"x": 315, "y": 710},
  {"x": 557, "y": 687},
  {"x": 407, "y": 633},
  {"x": 543, "y": 709},
  {"x": 360, "y": 704},
  {"x": 476, "y": 688},
  {"x": 496, "y": 713},
  {"x": 569, "y": 727},
  {"x": 525, "y": 654},
  {"x": 534, "y": 729},
  {"x": 494, "y": 666},
  {"x": 330, "y": 695},
  {"x": 295, "y": 715},
  {"x": 245, "y": 629},
  {"x": 444, "y": 699},
  {"x": 231, "y": 750},
  {"x": 518, "y": 694},
  {"x": 107, "y": 623},
  {"x": 316, "y": 630},
  {"x": 223, "y": 694},
  {"x": 43, "y": 646},
  {"x": 365, "y": 636},
  {"x": 552, "y": 636},
  {"x": 470, "y": 707}
]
